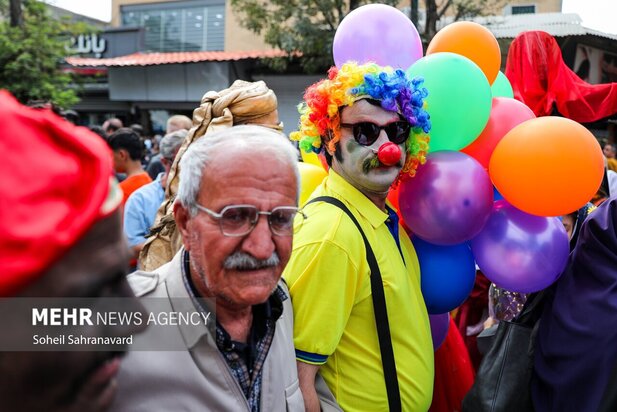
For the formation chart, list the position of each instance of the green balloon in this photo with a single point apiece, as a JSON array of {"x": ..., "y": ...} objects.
[
  {"x": 501, "y": 87},
  {"x": 459, "y": 99}
]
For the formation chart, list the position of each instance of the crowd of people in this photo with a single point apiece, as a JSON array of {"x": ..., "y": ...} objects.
[{"x": 317, "y": 308}]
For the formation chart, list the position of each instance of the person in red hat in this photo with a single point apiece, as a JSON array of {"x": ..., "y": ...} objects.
[{"x": 61, "y": 237}]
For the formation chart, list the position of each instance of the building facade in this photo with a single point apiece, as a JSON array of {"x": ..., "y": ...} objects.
[{"x": 160, "y": 56}]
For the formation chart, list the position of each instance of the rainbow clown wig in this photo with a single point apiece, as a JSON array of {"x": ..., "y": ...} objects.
[{"x": 320, "y": 111}]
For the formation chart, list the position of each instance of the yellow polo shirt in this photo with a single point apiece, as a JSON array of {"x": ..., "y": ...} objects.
[{"x": 334, "y": 322}]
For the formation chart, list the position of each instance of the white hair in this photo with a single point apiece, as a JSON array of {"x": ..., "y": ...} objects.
[
  {"x": 171, "y": 143},
  {"x": 249, "y": 138}
]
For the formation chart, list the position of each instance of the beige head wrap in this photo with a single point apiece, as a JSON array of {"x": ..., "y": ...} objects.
[{"x": 242, "y": 103}]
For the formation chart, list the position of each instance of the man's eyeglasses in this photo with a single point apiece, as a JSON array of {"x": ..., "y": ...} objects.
[
  {"x": 240, "y": 220},
  {"x": 366, "y": 133}
]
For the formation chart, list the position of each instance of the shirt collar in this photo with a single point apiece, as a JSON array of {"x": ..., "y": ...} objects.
[{"x": 357, "y": 199}]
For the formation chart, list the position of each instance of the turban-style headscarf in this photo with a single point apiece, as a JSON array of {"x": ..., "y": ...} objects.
[
  {"x": 320, "y": 116},
  {"x": 56, "y": 182},
  {"x": 242, "y": 103},
  {"x": 541, "y": 79}
]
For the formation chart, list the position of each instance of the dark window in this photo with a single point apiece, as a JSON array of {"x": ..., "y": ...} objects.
[
  {"x": 523, "y": 9},
  {"x": 191, "y": 25}
]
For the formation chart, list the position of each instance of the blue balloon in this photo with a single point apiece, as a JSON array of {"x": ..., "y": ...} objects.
[
  {"x": 496, "y": 195},
  {"x": 448, "y": 274}
]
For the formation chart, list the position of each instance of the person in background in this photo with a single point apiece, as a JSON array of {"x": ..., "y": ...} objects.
[
  {"x": 98, "y": 130},
  {"x": 236, "y": 205},
  {"x": 61, "y": 237},
  {"x": 242, "y": 103},
  {"x": 178, "y": 122},
  {"x": 610, "y": 151},
  {"x": 128, "y": 151},
  {"x": 112, "y": 125},
  {"x": 141, "y": 206},
  {"x": 174, "y": 123},
  {"x": 71, "y": 116}
]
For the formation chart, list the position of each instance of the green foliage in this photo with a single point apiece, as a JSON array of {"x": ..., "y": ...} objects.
[
  {"x": 30, "y": 56},
  {"x": 308, "y": 26},
  {"x": 305, "y": 26}
]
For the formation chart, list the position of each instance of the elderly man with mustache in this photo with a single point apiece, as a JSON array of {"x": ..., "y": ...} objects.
[{"x": 236, "y": 205}]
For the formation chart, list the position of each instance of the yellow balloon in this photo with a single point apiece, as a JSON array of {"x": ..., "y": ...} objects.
[
  {"x": 310, "y": 158},
  {"x": 311, "y": 176}
]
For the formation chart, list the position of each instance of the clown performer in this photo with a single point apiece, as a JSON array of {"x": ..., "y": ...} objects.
[{"x": 361, "y": 325}]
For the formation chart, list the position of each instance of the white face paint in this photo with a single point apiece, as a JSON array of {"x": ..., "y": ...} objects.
[{"x": 375, "y": 180}]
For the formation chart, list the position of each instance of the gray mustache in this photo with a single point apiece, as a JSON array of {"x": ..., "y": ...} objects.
[{"x": 244, "y": 261}]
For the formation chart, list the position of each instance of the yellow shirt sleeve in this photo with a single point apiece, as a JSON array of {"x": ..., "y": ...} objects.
[{"x": 324, "y": 284}]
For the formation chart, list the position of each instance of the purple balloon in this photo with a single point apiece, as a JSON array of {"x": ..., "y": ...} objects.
[
  {"x": 439, "y": 328},
  {"x": 449, "y": 200},
  {"x": 377, "y": 33},
  {"x": 521, "y": 252}
]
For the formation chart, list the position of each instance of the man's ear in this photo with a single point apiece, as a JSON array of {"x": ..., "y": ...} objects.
[
  {"x": 182, "y": 217},
  {"x": 325, "y": 140},
  {"x": 124, "y": 154}
]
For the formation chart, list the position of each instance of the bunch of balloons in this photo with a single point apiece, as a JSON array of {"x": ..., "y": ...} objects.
[{"x": 495, "y": 177}]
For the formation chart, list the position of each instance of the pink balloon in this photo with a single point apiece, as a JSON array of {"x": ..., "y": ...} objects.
[
  {"x": 449, "y": 200},
  {"x": 505, "y": 114},
  {"x": 521, "y": 252},
  {"x": 377, "y": 33}
]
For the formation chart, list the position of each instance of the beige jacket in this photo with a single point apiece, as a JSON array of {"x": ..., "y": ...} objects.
[{"x": 199, "y": 379}]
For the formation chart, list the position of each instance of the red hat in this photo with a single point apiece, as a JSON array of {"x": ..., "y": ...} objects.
[{"x": 55, "y": 183}]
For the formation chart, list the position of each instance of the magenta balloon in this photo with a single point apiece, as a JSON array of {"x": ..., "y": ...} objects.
[
  {"x": 521, "y": 252},
  {"x": 377, "y": 33},
  {"x": 439, "y": 328},
  {"x": 449, "y": 200}
]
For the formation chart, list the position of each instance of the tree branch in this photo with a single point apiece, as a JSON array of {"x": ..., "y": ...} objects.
[
  {"x": 445, "y": 8},
  {"x": 326, "y": 15}
]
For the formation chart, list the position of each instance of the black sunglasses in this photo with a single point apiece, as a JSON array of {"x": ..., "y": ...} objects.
[{"x": 366, "y": 133}]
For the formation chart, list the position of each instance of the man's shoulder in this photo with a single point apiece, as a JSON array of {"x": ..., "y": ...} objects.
[
  {"x": 147, "y": 191},
  {"x": 327, "y": 223},
  {"x": 146, "y": 283},
  {"x": 143, "y": 283}
]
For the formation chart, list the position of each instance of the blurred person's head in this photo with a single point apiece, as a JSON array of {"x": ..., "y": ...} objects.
[
  {"x": 169, "y": 146},
  {"x": 71, "y": 116},
  {"x": 137, "y": 128},
  {"x": 128, "y": 149},
  {"x": 609, "y": 150},
  {"x": 178, "y": 122},
  {"x": 61, "y": 237},
  {"x": 112, "y": 125},
  {"x": 98, "y": 130}
]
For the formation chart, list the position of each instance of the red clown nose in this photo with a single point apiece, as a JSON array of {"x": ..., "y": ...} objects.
[{"x": 389, "y": 154}]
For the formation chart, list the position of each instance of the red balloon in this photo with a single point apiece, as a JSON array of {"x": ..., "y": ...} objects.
[{"x": 505, "y": 114}]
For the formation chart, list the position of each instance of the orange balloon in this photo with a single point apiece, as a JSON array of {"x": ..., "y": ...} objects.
[
  {"x": 549, "y": 166},
  {"x": 471, "y": 40}
]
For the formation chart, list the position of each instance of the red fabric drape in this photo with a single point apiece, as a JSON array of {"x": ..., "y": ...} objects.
[
  {"x": 470, "y": 313},
  {"x": 540, "y": 78},
  {"x": 454, "y": 374}
]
